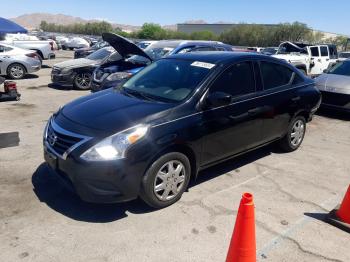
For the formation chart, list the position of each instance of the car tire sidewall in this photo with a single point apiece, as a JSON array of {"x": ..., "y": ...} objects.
[
  {"x": 147, "y": 192},
  {"x": 289, "y": 140},
  {"x": 13, "y": 77}
]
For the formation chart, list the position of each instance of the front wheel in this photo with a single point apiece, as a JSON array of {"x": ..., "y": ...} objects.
[
  {"x": 82, "y": 81},
  {"x": 295, "y": 135},
  {"x": 166, "y": 180}
]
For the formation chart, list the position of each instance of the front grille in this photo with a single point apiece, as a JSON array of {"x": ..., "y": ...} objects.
[
  {"x": 335, "y": 99},
  {"x": 62, "y": 141}
]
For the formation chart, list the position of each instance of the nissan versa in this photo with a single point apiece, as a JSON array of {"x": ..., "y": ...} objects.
[{"x": 179, "y": 115}]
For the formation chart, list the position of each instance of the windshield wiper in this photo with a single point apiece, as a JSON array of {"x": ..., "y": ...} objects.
[{"x": 135, "y": 93}]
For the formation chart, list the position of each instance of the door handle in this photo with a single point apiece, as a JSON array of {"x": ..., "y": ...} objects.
[
  {"x": 296, "y": 98},
  {"x": 254, "y": 111}
]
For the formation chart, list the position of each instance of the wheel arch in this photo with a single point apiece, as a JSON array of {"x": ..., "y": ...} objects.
[{"x": 183, "y": 149}]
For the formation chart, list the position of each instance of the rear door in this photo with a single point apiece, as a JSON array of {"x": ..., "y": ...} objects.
[
  {"x": 316, "y": 67},
  {"x": 236, "y": 127},
  {"x": 280, "y": 98}
]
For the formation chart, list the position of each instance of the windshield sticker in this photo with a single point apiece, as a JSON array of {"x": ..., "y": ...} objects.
[{"x": 203, "y": 65}]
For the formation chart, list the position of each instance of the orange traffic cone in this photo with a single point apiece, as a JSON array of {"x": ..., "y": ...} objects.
[
  {"x": 341, "y": 217},
  {"x": 243, "y": 247}
]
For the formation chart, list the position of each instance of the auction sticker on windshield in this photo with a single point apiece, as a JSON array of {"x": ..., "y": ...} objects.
[{"x": 203, "y": 64}]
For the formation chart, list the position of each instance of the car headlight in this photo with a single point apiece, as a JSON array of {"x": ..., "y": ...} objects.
[
  {"x": 115, "y": 146},
  {"x": 66, "y": 71},
  {"x": 118, "y": 76}
]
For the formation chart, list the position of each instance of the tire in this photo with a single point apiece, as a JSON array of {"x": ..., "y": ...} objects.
[
  {"x": 16, "y": 71},
  {"x": 289, "y": 143},
  {"x": 159, "y": 175},
  {"x": 82, "y": 81}
]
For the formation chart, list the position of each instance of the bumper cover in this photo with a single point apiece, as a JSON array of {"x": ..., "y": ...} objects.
[{"x": 109, "y": 182}]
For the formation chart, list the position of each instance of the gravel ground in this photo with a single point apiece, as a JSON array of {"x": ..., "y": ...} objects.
[{"x": 41, "y": 221}]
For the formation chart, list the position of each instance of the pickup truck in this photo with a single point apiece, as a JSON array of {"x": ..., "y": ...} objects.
[
  {"x": 45, "y": 49},
  {"x": 312, "y": 60}
]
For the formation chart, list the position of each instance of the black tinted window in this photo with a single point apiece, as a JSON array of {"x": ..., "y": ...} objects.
[
  {"x": 275, "y": 75},
  {"x": 314, "y": 51},
  {"x": 324, "y": 51},
  {"x": 203, "y": 48},
  {"x": 333, "y": 53},
  {"x": 237, "y": 80}
]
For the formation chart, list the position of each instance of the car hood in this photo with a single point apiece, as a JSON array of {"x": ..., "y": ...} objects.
[
  {"x": 111, "y": 111},
  {"x": 75, "y": 63},
  {"x": 123, "y": 46},
  {"x": 333, "y": 83}
]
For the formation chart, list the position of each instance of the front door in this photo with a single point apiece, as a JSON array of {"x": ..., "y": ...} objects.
[{"x": 233, "y": 128}]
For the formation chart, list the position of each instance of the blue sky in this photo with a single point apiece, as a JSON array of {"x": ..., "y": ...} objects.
[{"x": 330, "y": 16}]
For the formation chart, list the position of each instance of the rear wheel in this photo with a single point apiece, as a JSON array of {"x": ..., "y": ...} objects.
[
  {"x": 166, "y": 180},
  {"x": 295, "y": 136},
  {"x": 82, "y": 81},
  {"x": 16, "y": 71}
]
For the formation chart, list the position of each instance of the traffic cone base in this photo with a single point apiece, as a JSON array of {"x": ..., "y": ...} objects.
[{"x": 340, "y": 217}]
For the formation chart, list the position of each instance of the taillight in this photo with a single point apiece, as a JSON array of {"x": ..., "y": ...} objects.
[{"x": 33, "y": 55}]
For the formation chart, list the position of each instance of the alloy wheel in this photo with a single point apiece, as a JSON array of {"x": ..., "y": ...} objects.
[
  {"x": 83, "y": 81},
  {"x": 17, "y": 71}
]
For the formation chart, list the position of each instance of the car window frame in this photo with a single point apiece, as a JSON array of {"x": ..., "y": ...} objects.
[
  {"x": 227, "y": 67},
  {"x": 277, "y": 88}
]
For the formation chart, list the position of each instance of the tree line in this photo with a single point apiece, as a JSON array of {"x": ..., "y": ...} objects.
[{"x": 240, "y": 35}]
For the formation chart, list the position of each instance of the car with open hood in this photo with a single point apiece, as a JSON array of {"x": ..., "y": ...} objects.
[
  {"x": 179, "y": 115},
  {"x": 134, "y": 58},
  {"x": 78, "y": 72},
  {"x": 334, "y": 85}
]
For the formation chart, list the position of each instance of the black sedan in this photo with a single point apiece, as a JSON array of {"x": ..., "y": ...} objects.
[
  {"x": 179, "y": 115},
  {"x": 78, "y": 72},
  {"x": 84, "y": 52}
]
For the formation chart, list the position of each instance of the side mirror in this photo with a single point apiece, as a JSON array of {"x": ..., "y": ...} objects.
[{"x": 217, "y": 99}]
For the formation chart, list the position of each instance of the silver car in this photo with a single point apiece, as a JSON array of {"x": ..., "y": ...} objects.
[
  {"x": 17, "y": 62},
  {"x": 334, "y": 85}
]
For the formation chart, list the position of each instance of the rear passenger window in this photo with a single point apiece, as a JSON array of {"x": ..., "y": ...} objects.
[
  {"x": 314, "y": 51},
  {"x": 324, "y": 51},
  {"x": 275, "y": 75},
  {"x": 237, "y": 80}
]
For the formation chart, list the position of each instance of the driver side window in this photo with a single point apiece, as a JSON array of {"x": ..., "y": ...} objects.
[{"x": 237, "y": 80}]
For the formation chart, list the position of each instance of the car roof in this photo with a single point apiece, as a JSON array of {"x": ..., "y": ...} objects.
[
  {"x": 216, "y": 57},
  {"x": 176, "y": 43}
]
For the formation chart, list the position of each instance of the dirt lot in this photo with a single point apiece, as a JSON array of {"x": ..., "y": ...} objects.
[{"x": 41, "y": 221}]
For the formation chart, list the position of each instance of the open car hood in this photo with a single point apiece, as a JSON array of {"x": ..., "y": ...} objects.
[
  {"x": 290, "y": 48},
  {"x": 123, "y": 46}
]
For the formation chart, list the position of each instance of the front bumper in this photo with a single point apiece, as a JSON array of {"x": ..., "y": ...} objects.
[
  {"x": 109, "y": 182},
  {"x": 63, "y": 79}
]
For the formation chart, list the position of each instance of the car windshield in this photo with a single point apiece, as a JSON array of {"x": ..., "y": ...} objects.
[
  {"x": 100, "y": 54},
  {"x": 342, "y": 68},
  {"x": 167, "y": 80}
]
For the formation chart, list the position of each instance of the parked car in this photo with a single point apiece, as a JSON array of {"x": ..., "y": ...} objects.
[
  {"x": 17, "y": 62},
  {"x": 78, "y": 72},
  {"x": 269, "y": 50},
  {"x": 76, "y": 42},
  {"x": 343, "y": 56},
  {"x": 177, "y": 116},
  {"x": 45, "y": 49},
  {"x": 312, "y": 60},
  {"x": 335, "y": 87},
  {"x": 144, "y": 44},
  {"x": 111, "y": 74},
  {"x": 83, "y": 52}
]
